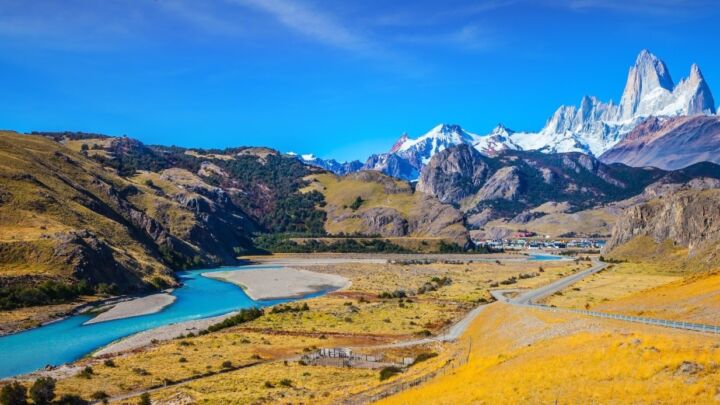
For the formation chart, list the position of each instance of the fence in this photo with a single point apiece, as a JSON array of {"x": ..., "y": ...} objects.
[
  {"x": 374, "y": 395},
  {"x": 698, "y": 327}
]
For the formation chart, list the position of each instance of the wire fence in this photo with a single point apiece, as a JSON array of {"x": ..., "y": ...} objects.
[
  {"x": 698, "y": 327},
  {"x": 385, "y": 391}
]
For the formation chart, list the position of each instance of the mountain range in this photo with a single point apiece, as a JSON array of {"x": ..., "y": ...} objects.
[{"x": 594, "y": 128}]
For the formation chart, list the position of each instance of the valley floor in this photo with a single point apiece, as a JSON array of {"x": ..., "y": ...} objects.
[
  {"x": 362, "y": 316},
  {"x": 508, "y": 354}
]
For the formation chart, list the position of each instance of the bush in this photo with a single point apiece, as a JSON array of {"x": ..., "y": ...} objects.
[
  {"x": 227, "y": 364},
  {"x": 13, "y": 394},
  {"x": 286, "y": 382},
  {"x": 245, "y": 315},
  {"x": 45, "y": 293},
  {"x": 357, "y": 203},
  {"x": 424, "y": 356},
  {"x": 109, "y": 363},
  {"x": 394, "y": 294},
  {"x": 145, "y": 399},
  {"x": 71, "y": 399},
  {"x": 86, "y": 373},
  {"x": 280, "y": 309},
  {"x": 100, "y": 396},
  {"x": 388, "y": 372},
  {"x": 42, "y": 391},
  {"x": 278, "y": 243},
  {"x": 140, "y": 371}
]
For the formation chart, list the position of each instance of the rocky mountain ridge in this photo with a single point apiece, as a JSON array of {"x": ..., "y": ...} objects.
[
  {"x": 592, "y": 128},
  {"x": 669, "y": 143}
]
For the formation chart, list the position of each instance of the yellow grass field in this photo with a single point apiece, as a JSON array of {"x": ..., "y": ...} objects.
[
  {"x": 618, "y": 281},
  {"x": 354, "y": 317},
  {"x": 521, "y": 356}
]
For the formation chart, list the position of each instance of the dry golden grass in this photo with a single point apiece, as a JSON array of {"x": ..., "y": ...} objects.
[
  {"x": 618, "y": 281},
  {"x": 694, "y": 299},
  {"x": 597, "y": 221},
  {"x": 43, "y": 184},
  {"x": 521, "y": 356},
  {"x": 93, "y": 145},
  {"x": 308, "y": 384},
  {"x": 184, "y": 358},
  {"x": 341, "y": 192},
  {"x": 661, "y": 280}
]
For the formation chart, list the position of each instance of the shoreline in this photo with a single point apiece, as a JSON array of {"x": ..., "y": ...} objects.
[{"x": 146, "y": 305}]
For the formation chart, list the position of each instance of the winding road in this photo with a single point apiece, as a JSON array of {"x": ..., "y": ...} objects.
[{"x": 530, "y": 298}]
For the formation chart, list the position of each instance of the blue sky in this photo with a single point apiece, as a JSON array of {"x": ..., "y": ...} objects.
[{"x": 340, "y": 79}]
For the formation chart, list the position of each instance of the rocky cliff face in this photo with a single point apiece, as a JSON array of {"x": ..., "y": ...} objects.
[
  {"x": 669, "y": 143},
  {"x": 454, "y": 174},
  {"x": 513, "y": 181},
  {"x": 689, "y": 217}
]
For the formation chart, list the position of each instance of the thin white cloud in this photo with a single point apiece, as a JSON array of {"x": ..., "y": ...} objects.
[
  {"x": 312, "y": 23},
  {"x": 469, "y": 37},
  {"x": 664, "y": 7},
  {"x": 202, "y": 16}
]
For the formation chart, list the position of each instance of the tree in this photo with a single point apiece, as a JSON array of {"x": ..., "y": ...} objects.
[
  {"x": 71, "y": 399},
  {"x": 145, "y": 399},
  {"x": 13, "y": 394},
  {"x": 42, "y": 391},
  {"x": 101, "y": 396},
  {"x": 357, "y": 203}
]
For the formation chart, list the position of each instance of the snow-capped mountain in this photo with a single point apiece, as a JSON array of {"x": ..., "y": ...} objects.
[
  {"x": 499, "y": 139},
  {"x": 331, "y": 165},
  {"x": 408, "y": 156},
  {"x": 593, "y": 127},
  {"x": 596, "y": 126}
]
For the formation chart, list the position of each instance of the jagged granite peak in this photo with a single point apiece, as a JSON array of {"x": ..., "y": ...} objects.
[
  {"x": 593, "y": 127},
  {"x": 454, "y": 174},
  {"x": 596, "y": 126},
  {"x": 647, "y": 79},
  {"x": 697, "y": 93}
]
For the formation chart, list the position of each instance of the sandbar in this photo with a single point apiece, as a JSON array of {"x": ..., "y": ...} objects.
[{"x": 270, "y": 284}]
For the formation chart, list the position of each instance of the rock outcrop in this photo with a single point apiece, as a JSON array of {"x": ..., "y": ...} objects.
[
  {"x": 504, "y": 184},
  {"x": 688, "y": 217},
  {"x": 454, "y": 174}
]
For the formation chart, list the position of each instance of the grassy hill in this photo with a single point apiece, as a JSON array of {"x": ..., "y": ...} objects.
[
  {"x": 66, "y": 217},
  {"x": 371, "y": 203}
]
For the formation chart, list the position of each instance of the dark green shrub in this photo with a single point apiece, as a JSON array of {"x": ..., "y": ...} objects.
[
  {"x": 42, "y": 391},
  {"x": 13, "y": 394},
  {"x": 388, "y": 372}
]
